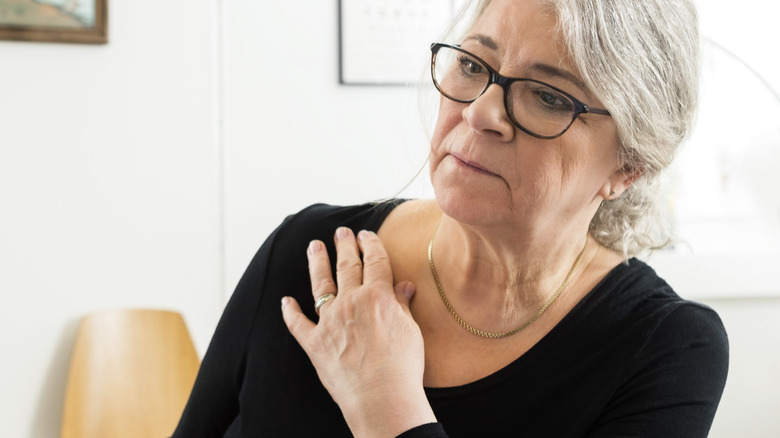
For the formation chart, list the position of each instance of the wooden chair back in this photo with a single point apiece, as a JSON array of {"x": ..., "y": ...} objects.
[{"x": 130, "y": 375}]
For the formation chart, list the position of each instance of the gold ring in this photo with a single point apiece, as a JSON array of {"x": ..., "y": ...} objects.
[{"x": 322, "y": 300}]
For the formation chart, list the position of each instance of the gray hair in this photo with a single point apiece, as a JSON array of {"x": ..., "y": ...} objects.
[{"x": 640, "y": 58}]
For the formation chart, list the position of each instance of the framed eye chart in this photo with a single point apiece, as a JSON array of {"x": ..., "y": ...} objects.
[{"x": 384, "y": 42}]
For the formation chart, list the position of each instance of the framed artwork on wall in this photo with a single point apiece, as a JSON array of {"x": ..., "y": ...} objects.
[
  {"x": 61, "y": 21},
  {"x": 382, "y": 42}
]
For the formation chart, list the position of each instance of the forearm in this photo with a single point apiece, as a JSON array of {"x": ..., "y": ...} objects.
[{"x": 387, "y": 415}]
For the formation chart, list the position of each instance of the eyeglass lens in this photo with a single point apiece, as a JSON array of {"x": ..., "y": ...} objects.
[{"x": 532, "y": 105}]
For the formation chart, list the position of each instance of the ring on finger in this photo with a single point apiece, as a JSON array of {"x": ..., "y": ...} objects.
[{"x": 322, "y": 300}]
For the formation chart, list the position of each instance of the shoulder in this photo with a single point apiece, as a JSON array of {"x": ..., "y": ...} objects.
[
  {"x": 288, "y": 242},
  {"x": 636, "y": 276},
  {"x": 286, "y": 247},
  {"x": 637, "y": 286},
  {"x": 370, "y": 214},
  {"x": 673, "y": 330},
  {"x": 690, "y": 326},
  {"x": 632, "y": 289},
  {"x": 634, "y": 304},
  {"x": 669, "y": 355},
  {"x": 319, "y": 221}
]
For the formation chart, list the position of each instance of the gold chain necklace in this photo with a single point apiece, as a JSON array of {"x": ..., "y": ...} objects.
[{"x": 493, "y": 335}]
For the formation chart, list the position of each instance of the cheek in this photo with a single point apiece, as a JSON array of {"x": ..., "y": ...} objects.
[
  {"x": 450, "y": 114},
  {"x": 605, "y": 155},
  {"x": 594, "y": 160}
]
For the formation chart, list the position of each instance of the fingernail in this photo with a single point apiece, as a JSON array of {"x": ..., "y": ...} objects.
[
  {"x": 341, "y": 233},
  {"x": 285, "y": 301},
  {"x": 315, "y": 246},
  {"x": 363, "y": 234}
]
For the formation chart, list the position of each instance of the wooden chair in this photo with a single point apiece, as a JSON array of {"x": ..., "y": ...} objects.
[{"x": 130, "y": 375}]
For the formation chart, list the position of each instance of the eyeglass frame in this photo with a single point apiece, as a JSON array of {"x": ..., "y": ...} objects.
[{"x": 505, "y": 82}]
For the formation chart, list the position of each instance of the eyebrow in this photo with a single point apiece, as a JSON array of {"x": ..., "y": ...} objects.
[
  {"x": 485, "y": 40},
  {"x": 550, "y": 70},
  {"x": 545, "y": 69}
]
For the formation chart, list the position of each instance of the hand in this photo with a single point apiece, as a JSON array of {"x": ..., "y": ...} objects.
[{"x": 366, "y": 348}]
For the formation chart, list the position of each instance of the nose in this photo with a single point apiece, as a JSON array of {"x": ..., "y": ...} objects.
[{"x": 487, "y": 115}]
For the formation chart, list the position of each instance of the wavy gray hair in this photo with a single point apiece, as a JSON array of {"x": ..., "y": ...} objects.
[{"x": 641, "y": 59}]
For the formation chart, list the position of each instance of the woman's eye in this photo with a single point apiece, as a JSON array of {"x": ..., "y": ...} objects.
[
  {"x": 470, "y": 66},
  {"x": 549, "y": 98},
  {"x": 553, "y": 101}
]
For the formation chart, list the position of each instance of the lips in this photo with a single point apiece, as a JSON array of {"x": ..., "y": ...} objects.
[{"x": 472, "y": 165}]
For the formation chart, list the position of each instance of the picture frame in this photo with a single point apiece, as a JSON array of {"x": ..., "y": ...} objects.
[
  {"x": 382, "y": 42},
  {"x": 59, "y": 21}
]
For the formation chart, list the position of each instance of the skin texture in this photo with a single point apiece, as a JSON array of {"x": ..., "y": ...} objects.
[
  {"x": 512, "y": 202},
  {"x": 376, "y": 380},
  {"x": 514, "y": 213}
]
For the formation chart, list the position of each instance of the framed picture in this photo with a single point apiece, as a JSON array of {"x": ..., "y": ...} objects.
[
  {"x": 382, "y": 42},
  {"x": 62, "y": 21}
]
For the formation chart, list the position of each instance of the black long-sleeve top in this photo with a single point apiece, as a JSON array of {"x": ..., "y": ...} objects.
[{"x": 632, "y": 359}]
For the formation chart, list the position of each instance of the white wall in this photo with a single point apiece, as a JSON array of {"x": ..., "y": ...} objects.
[
  {"x": 109, "y": 189},
  {"x": 295, "y": 135},
  {"x": 148, "y": 171}
]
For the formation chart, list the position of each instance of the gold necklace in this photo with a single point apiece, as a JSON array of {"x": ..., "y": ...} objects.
[{"x": 493, "y": 335}]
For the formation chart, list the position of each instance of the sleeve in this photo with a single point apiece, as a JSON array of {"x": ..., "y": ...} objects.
[
  {"x": 214, "y": 401},
  {"x": 430, "y": 430},
  {"x": 673, "y": 385}
]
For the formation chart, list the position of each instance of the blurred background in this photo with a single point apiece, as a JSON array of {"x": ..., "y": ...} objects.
[{"x": 146, "y": 173}]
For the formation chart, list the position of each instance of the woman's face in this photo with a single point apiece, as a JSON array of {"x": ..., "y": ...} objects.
[{"x": 485, "y": 170}]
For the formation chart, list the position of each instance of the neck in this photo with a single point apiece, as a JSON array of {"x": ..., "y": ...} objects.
[{"x": 502, "y": 277}]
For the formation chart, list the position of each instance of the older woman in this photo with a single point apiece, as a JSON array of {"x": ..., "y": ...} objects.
[{"x": 511, "y": 305}]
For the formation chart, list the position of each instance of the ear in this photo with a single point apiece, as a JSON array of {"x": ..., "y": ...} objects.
[{"x": 620, "y": 181}]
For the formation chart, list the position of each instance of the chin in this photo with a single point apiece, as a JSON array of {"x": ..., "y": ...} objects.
[
  {"x": 472, "y": 208},
  {"x": 471, "y": 197}
]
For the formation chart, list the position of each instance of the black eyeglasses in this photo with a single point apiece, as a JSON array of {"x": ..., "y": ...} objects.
[{"x": 538, "y": 109}]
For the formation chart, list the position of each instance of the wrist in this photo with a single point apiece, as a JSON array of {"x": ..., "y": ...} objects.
[{"x": 389, "y": 415}]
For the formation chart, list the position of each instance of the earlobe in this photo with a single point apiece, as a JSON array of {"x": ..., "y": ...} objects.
[
  {"x": 607, "y": 192},
  {"x": 620, "y": 181}
]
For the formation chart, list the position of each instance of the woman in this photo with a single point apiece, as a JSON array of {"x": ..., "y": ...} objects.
[{"x": 510, "y": 305}]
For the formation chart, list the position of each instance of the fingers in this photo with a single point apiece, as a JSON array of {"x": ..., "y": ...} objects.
[
  {"x": 319, "y": 270},
  {"x": 376, "y": 262},
  {"x": 299, "y": 325},
  {"x": 351, "y": 271},
  {"x": 322, "y": 300},
  {"x": 349, "y": 268}
]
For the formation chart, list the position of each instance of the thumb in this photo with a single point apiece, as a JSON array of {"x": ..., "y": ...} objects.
[
  {"x": 404, "y": 291},
  {"x": 297, "y": 323}
]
